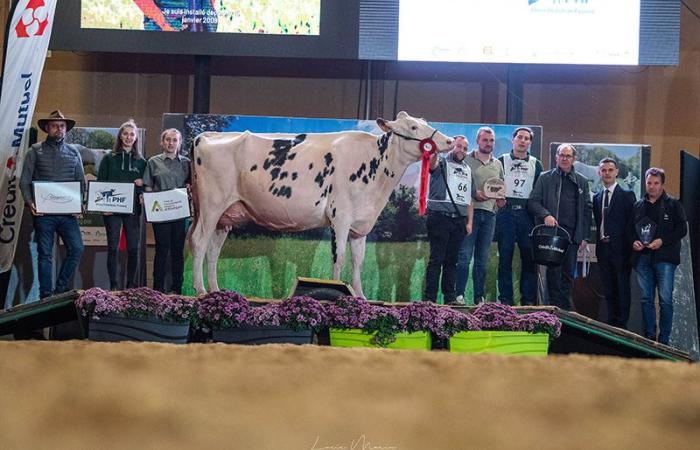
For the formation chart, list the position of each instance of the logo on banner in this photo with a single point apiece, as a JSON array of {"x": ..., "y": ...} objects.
[
  {"x": 156, "y": 207},
  {"x": 33, "y": 20},
  {"x": 109, "y": 196}
]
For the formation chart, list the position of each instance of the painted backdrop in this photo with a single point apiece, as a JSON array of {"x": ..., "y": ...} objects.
[{"x": 259, "y": 263}]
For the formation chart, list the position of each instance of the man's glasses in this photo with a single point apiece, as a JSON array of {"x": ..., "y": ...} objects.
[{"x": 565, "y": 156}]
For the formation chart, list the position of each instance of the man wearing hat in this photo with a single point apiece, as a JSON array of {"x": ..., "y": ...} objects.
[{"x": 54, "y": 160}]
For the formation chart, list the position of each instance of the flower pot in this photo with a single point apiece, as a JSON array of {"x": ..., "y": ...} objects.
[
  {"x": 508, "y": 342},
  {"x": 252, "y": 335},
  {"x": 418, "y": 340},
  {"x": 151, "y": 329}
]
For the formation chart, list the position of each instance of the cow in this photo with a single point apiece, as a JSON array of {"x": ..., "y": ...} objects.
[{"x": 290, "y": 182}]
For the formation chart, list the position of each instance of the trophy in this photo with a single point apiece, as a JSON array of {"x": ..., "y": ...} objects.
[
  {"x": 646, "y": 231},
  {"x": 495, "y": 188}
]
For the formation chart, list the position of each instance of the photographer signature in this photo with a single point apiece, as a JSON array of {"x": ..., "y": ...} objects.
[{"x": 361, "y": 443}]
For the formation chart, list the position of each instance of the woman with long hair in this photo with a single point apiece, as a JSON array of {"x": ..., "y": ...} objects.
[{"x": 124, "y": 164}]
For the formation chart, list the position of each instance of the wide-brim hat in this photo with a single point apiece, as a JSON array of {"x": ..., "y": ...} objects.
[{"x": 53, "y": 117}]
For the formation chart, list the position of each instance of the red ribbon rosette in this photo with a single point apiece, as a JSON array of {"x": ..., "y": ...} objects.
[{"x": 428, "y": 147}]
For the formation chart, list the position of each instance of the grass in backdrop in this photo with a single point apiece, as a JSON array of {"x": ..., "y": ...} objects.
[{"x": 393, "y": 271}]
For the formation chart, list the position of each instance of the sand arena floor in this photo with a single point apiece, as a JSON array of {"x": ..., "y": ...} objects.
[{"x": 85, "y": 395}]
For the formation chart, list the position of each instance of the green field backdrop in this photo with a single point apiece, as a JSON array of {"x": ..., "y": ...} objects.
[{"x": 267, "y": 267}]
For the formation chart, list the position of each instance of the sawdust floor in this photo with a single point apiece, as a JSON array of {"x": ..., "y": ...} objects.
[{"x": 85, "y": 395}]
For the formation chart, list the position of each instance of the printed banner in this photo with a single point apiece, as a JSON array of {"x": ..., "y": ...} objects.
[
  {"x": 105, "y": 196},
  {"x": 57, "y": 197},
  {"x": 28, "y": 33},
  {"x": 166, "y": 206}
]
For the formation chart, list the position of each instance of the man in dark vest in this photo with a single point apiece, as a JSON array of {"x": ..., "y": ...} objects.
[
  {"x": 450, "y": 214},
  {"x": 612, "y": 209},
  {"x": 54, "y": 160}
]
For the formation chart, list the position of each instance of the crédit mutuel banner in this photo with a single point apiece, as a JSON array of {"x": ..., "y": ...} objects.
[{"x": 28, "y": 33}]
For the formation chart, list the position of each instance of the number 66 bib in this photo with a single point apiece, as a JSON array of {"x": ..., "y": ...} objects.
[
  {"x": 519, "y": 176},
  {"x": 459, "y": 179}
]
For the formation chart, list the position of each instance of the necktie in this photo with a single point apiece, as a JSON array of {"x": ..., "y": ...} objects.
[{"x": 606, "y": 203}]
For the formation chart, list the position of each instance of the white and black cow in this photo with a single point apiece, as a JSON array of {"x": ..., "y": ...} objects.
[{"x": 299, "y": 182}]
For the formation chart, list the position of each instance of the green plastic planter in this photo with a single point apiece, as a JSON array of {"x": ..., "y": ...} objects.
[
  {"x": 418, "y": 340},
  {"x": 505, "y": 342}
]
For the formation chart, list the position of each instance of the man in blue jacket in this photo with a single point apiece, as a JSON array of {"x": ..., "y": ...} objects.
[
  {"x": 561, "y": 198},
  {"x": 659, "y": 224}
]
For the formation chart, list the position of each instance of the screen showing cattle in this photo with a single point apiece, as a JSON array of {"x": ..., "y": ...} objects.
[
  {"x": 521, "y": 31},
  {"x": 296, "y": 17}
]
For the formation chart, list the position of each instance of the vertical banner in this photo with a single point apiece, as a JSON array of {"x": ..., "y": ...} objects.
[{"x": 28, "y": 33}]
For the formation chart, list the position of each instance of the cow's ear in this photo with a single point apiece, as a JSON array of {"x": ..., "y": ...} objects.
[
  {"x": 384, "y": 125},
  {"x": 402, "y": 115}
]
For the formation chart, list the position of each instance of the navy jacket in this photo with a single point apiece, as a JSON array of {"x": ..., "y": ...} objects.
[{"x": 619, "y": 214}]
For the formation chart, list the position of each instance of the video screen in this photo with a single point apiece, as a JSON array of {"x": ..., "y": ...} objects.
[
  {"x": 292, "y": 17},
  {"x": 520, "y": 31}
]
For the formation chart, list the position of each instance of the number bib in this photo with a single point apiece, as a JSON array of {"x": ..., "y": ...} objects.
[
  {"x": 459, "y": 180},
  {"x": 519, "y": 176}
]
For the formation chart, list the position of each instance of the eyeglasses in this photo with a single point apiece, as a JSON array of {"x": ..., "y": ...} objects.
[{"x": 565, "y": 156}]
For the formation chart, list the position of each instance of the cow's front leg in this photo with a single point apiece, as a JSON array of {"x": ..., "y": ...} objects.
[
  {"x": 339, "y": 239},
  {"x": 357, "y": 247}
]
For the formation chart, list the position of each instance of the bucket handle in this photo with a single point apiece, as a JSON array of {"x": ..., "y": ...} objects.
[{"x": 568, "y": 236}]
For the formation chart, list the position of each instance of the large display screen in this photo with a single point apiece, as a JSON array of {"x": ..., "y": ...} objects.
[
  {"x": 300, "y": 17},
  {"x": 248, "y": 28},
  {"x": 520, "y": 31}
]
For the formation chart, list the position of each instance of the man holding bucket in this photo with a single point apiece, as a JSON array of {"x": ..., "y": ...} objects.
[{"x": 560, "y": 198}]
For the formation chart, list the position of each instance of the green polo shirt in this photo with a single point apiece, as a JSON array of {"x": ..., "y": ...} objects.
[{"x": 482, "y": 172}]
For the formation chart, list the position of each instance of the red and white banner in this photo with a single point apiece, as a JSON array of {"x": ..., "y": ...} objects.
[{"x": 28, "y": 35}]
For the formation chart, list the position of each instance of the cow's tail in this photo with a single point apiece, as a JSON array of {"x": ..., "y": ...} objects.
[{"x": 193, "y": 192}]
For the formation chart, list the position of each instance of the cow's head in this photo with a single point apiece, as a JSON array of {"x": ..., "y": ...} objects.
[{"x": 413, "y": 129}]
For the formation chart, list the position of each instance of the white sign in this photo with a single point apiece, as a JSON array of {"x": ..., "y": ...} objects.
[
  {"x": 57, "y": 197},
  {"x": 105, "y": 196},
  {"x": 166, "y": 206},
  {"x": 28, "y": 32}
]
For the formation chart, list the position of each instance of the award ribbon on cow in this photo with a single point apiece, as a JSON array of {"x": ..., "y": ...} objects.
[{"x": 428, "y": 147}]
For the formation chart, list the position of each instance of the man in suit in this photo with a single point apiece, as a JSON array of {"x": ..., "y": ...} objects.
[{"x": 613, "y": 208}]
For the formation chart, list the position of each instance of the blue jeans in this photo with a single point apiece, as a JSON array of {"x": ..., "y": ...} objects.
[
  {"x": 478, "y": 244},
  {"x": 514, "y": 226},
  {"x": 651, "y": 276},
  {"x": 45, "y": 227}
]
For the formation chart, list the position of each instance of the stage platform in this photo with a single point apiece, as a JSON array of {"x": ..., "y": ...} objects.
[{"x": 580, "y": 334}]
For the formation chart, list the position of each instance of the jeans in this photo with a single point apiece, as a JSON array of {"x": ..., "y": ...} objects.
[
  {"x": 650, "y": 276},
  {"x": 445, "y": 235},
  {"x": 478, "y": 244},
  {"x": 45, "y": 227},
  {"x": 514, "y": 226},
  {"x": 170, "y": 244},
  {"x": 132, "y": 230},
  {"x": 560, "y": 279}
]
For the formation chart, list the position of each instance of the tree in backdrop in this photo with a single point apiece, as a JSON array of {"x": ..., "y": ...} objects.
[{"x": 199, "y": 123}]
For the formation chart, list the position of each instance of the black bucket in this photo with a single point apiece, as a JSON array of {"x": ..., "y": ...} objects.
[{"x": 549, "y": 250}]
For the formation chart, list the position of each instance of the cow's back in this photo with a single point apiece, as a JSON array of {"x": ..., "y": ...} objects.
[{"x": 280, "y": 181}]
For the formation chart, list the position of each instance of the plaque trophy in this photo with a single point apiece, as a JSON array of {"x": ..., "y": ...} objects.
[
  {"x": 646, "y": 231},
  {"x": 495, "y": 188}
]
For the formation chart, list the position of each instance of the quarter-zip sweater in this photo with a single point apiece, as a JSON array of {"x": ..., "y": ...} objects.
[{"x": 123, "y": 167}]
